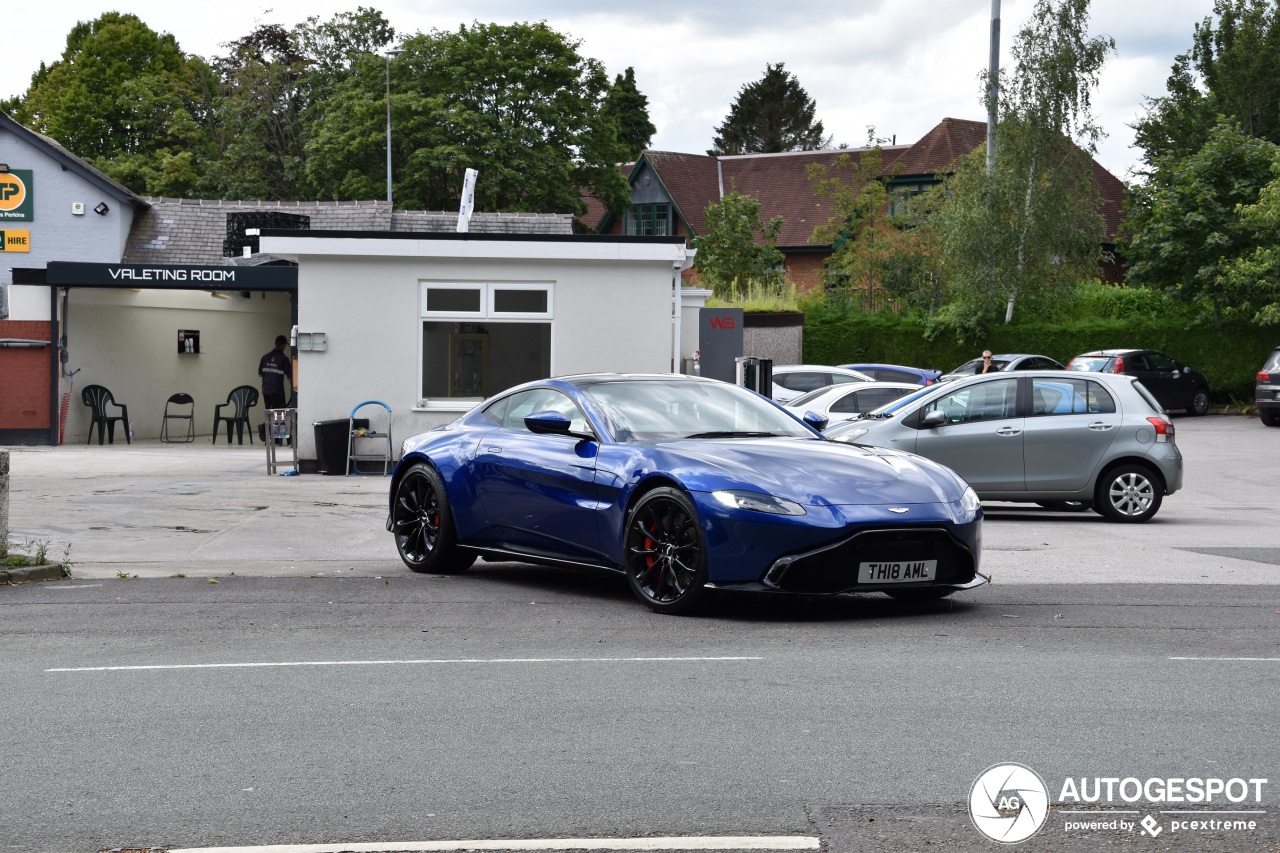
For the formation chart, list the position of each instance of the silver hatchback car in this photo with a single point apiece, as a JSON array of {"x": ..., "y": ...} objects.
[{"x": 1053, "y": 438}]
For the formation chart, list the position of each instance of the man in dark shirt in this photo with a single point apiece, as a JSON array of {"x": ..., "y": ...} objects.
[{"x": 273, "y": 368}]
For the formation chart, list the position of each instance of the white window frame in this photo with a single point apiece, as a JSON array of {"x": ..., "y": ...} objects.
[{"x": 486, "y": 315}]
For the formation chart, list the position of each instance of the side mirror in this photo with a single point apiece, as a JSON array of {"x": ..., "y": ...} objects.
[
  {"x": 547, "y": 422},
  {"x": 816, "y": 420},
  {"x": 936, "y": 418}
]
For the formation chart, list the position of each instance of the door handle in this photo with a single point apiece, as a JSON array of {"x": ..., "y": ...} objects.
[
  {"x": 1099, "y": 426},
  {"x": 1008, "y": 430}
]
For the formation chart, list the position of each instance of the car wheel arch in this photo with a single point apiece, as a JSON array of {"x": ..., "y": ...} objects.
[{"x": 1153, "y": 471}]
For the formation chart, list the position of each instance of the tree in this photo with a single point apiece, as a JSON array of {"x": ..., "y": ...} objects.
[
  {"x": 877, "y": 247},
  {"x": 738, "y": 248},
  {"x": 274, "y": 81},
  {"x": 127, "y": 100},
  {"x": 1185, "y": 231},
  {"x": 770, "y": 115},
  {"x": 630, "y": 108},
  {"x": 1030, "y": 227},
  {"x": 1232, "y": 70},
  {"x": 1252, "y": 280},
  {"x": 516, "y": 102}
]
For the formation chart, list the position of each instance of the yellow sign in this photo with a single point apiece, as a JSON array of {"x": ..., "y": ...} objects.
[{"x": 12, "y": 240}]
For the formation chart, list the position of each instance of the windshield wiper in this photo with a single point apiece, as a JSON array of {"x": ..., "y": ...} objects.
[{"x": 729, "y": 433}]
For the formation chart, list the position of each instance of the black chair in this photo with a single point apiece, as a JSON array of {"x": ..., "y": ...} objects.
[
  {"x": 176, "y": 414},
  {"x": 241, "y": 400},
  {"x": 97, "y": 399}
]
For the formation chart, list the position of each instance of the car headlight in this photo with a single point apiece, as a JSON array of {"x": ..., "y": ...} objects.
[
  {"x": 852, "y": 435},
  {"x": 966, "y": 509},
  {"x": 757, "y": 502}
]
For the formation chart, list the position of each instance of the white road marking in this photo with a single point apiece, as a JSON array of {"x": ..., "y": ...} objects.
[
  {"x": 746, "y": 842},
  {"x": 389, "y": 662},
  {"x": 1271, "y": 660}
]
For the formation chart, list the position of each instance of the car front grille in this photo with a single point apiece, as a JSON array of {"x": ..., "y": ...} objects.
[{"x": 835, "y": 568}]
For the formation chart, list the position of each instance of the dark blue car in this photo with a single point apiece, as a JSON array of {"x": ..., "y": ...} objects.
[
  {"x": 683, "y": 484},
  {"x": 897, "y": 373}
]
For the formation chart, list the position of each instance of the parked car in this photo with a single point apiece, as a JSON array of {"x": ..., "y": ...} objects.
[
  {"x": 1053, "y": 438},
  {"x": 1170, "y": 381},
  {"x": 896, "y": 373},
  {"x": 1005, "y": 361},
  {"x": 681, "y": 484},
  {"x": 1267, "y": 394},
  {"x": 842, "y": 401},
  {"x": 792, "y": 380}
]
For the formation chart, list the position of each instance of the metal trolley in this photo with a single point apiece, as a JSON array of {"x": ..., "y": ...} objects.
[
  {"x": 371, "y": 443},
  {"x": 281, "y": 429}
]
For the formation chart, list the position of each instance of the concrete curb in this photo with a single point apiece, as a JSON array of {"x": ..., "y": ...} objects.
[{"x": 28, "y": 574}]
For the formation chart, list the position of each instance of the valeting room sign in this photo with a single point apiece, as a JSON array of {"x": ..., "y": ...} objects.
[
  {"x": 13, "y": 240},
  {"x": 16, "y": 197}
]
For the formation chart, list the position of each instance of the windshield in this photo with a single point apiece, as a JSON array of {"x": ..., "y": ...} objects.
[
  {"x": 888, "y": 410},
  {"x": 657, "y": 409}
]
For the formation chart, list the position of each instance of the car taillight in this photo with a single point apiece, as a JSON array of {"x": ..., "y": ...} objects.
[
  {"x": 1117, "y": 366},
  {"x": 1263, "y": 376},
  {"x": 1164, "y": 429}
]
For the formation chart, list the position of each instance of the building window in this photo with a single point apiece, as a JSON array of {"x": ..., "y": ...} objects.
[
  {"x": 479, "y": 338},
  {"x": 649, "y": 220},
  {"x": 900, "y": 196}
]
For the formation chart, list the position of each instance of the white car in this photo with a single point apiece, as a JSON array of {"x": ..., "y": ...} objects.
[
  {"x": 840, "y": 402},
  {"x": 792, "y": 380}
]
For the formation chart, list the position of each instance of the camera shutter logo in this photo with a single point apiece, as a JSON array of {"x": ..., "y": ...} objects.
[{"x": 1008, "y": 803}]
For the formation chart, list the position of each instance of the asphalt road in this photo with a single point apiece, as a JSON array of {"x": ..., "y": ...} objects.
[{"x": 387, "y": 709}]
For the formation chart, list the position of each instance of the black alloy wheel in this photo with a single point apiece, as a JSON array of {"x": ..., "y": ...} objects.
[
  {"x": 1130, "y": 493},
  {"x": 423, "y": 524},
  {"x": 1199, "y": 402},
  {"x": 665, "y": 552}
]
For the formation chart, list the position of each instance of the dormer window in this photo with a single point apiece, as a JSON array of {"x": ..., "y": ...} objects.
[{"x": 649, "y": 220}]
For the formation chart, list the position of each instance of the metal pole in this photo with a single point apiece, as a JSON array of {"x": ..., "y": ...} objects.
[
  {"x": 387, "y": 56},
  {"x": 993, "y": 85}
]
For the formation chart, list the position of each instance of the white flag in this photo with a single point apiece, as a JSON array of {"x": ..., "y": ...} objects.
[{"x": 468, "y": 201}]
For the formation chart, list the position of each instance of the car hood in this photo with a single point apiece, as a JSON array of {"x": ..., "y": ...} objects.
[{"x": 812, "y": 472}]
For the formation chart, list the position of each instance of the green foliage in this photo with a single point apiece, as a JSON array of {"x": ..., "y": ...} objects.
[
  {"x": 1232, "y": 70},
  {"x": 772, "y": 114},
  {"x": 1184, "y": 231},
  {"x": 1227, "y": 353},
  {"x": 1028, "y": 228},
  {"x": 129, "y": 101},
  {"x": 516, "y": 102},
  {"x": 630, "y": 109},
  {"x": 879, "y": 249},
  {"x": 1252, "y": 280},
  {"x": 758, "y": 297},
  {"x": 729, "y": 251}
]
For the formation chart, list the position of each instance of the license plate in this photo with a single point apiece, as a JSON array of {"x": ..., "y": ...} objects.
[{"x": 908, "y": 572}]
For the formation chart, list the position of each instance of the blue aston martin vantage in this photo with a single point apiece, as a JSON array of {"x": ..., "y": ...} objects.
[{"x": 682, "y": 484}]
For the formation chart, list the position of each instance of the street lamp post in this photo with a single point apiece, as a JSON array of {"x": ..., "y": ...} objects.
[{"x": 388, "y": 55}]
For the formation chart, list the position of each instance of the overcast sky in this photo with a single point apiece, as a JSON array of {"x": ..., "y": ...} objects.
[{"x": 898, "y": 65}]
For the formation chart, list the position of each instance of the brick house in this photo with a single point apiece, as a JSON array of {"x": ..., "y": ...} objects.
[{"x": 670, "y": 192}]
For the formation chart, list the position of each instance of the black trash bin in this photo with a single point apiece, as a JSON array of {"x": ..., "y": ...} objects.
[{"x": 331, "y": 445}]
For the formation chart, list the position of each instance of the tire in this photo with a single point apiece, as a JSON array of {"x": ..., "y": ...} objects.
[
  {"x": 666, "y": 554},
  {"x": 1269, "y": 417},
  {"x": 1129, "y": 493},
  {"x": 1199, "y": 402},
  {"x": 422, "y": 524},
  {"x": 1064, "y": 506},
  {"x": 920, "y": 594}
]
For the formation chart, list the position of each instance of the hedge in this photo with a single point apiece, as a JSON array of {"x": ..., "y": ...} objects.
[{"x": 1228, "y": 354}]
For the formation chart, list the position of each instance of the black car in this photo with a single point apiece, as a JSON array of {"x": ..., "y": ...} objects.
[
  {"x": 1267, "y": 394},
  {"x": 1172, "y": 383}
]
